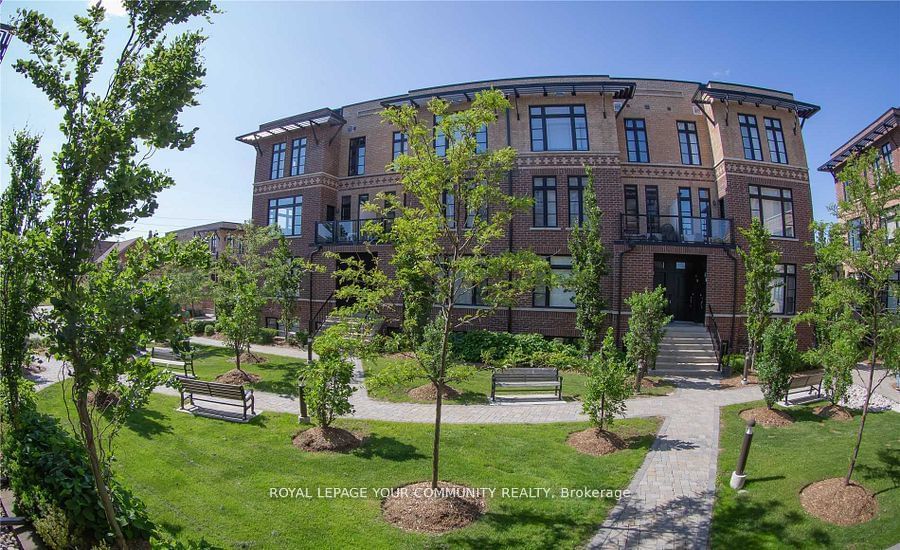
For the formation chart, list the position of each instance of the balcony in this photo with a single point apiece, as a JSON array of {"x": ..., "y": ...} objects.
[
  {"x": 676, "y": 230},
  {"x": 347, "y": 232}
]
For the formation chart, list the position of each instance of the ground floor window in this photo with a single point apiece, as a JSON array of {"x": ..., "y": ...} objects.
[
  {"x": 275, "y": 323},
  {"x": 556, "y": 296},
  {"x": 893, "y": 293},
  {"x": 784, "y": 290},
  {"x": 465, "y": 294}
]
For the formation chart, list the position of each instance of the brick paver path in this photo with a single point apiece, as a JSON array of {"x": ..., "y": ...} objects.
[{"x": 671, "y": 499}]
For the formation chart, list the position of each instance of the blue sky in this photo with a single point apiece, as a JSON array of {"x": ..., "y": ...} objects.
[{"x": 268, "y": 60}]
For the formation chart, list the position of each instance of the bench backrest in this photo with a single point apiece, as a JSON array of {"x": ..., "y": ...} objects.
[
  {"x": 213, "y": 389},
  {"x": 165, "y": 353},
  {"x": 801, "y": 380},
  {"x": 521, "y": 374}
]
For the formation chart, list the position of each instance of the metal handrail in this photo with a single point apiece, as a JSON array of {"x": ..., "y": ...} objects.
[
  {"x": 314, "y": 323},
  {"x": 721, "y": 346},
  {"x": 348, "y": 231},
  {"x": 673, "y": 229}
]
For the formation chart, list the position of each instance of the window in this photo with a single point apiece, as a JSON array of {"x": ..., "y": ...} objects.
[
  {"x": 390, "y": 199},
  {"x": 688, "y": 142},
  {"x": 892, "y": 224},
  {"x": 357, "y": 156},
  {"x": 329, "y": 213},
  {"x": 705, "y": 211},
  {"x": 774, "y": 207},
  {"x": 651, "y": 200},
  {"x": 576, "y": 200},
  {"x": 481, "y": 139},
  {"x": 632, "y": 212},
  {"x": 214, "y": 243},
  {"x": 893, "y": 293},
  {"x": 298, "y": 156},
  {"x": 886, "y": 156},
  {"x": 361, "y": 211},
  {"x": 844, "y": 190},
  {"x": 473, "y": 213},
  {"x": 440, "y": 140},
  {"x": 854, "y": 235},
  {"x": 287, "y": 213},
  {"x": 544, "y": 192},
  {"x": 277, "y": 161},
  {"x": 345, "y": 207},
  {"x": 557, "y": 296},
  {"x": 636, "y": 140},
  {"x": 275, "y": 323},
  {"x": 777, "y": 151},
  {"x": 467, "y": 294},
  {"x": 559, "y": 128},
  {"x": 441, "y": 143},
  {"x": 449, "y": 202},
  {"x": 750, "y": 137},
  {"x": 400, "y": 144},
  {"x": 784, "y": 290},
  {"x": 686, "y": 212}
]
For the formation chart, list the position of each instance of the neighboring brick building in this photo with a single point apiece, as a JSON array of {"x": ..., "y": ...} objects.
[
  {"x": 217, "y": 235},
  {"x": 678, "y": 166}
]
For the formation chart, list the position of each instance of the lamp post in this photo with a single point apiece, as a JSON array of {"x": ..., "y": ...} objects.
[
  {"x": 738, "y": 477},
  {"x": 301, "y": 392}
]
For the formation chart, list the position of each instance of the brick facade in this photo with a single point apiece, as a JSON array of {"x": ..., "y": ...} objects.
[{"x": 723, "y": 171}]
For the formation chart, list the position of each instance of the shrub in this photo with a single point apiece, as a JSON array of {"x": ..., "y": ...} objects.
[
  {"x": 507, "y": 349},
  {"x": 776, "y": 360},
  {"x": 608, "y": 384},
  {"x": 646, "y": 327},
  {"x": 265, "y": 336},
  {"x": 49, "y": 473},
  {"x": 327, "y": 379},
  {"x": 209, "y": 330},
  {"x": 300, "y": 338},
  {"x": 198, "y": 326}
]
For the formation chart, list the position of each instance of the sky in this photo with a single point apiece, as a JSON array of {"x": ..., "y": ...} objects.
[{"x": 268, "y": 60}]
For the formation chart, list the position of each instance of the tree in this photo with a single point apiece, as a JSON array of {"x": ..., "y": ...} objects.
[
  {"x": 867, "y": 246},
  {"x": 759, "y": 260},
  {"x": 445, "y": 236},
  {"x": 21, "y": 286},
  {"x": 328, "y": 378},
  {"x": 190, "y": 285},
  {"x": 101, "y": 184},
  {"x": 646, "y": 327},
  {"x": 284, "y": 275},
  {"x": 607, "y": 385},
  {"x": 776, "y": 360},
  {"x": 589, "y": 269}
]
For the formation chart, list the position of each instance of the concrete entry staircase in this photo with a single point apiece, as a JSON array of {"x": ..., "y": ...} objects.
[{"x": 686, "y": 349}]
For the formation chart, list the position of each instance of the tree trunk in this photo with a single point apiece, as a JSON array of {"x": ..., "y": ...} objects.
[
  {"x": 862, "y": 422},
  {"x": 237, "y": 356},
  {"x": 87, "y": 428},
  {"x": 749, "y": 359},
  {"x": 641, "y": 367},
  {"x": 436, "y": 449},
  {"x": 602, "y": 411}
]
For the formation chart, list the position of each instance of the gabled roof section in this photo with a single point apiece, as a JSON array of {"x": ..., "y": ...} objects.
[
  {"x": 618, "y": 89},
  {"x": 319, "y": 117},
  {"x": 723, "y": 91},
  {"x": 870, "y": 134}
]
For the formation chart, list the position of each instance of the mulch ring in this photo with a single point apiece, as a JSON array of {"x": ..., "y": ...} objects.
[
  {"x": 770, "y": 418},
  {"x": 238, "y": 377},
  {"x": 419, "y": 508},
  {"x": 316, "y": 440},
  {"x": 251, "y": 359},
  {"x": 103, "y": 400},
  {"x": 832, "y": 501},
  {"x": 735, "y": 381},
  {"x": 593, "y": 441},
  {"x": 428, "y": 392},
  {"x": 33, "y": 368},
  {"x": 833, "y": 412}
]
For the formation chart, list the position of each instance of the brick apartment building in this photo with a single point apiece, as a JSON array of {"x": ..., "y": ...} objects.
[
  {"x": 678, "y": 168},
  {"x": 883, "y": 136}
]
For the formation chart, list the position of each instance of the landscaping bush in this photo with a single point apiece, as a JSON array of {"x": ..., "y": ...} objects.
[
  {"x": 776, "y": 360},
  {"x": 209, "y": 330},
  {"x": 198, "y": 326},
  {"x": 50, "y": 476},
  {"x": 507, "y": 349},
  {"x": 265, "y": 336},
  {"x": 300, "y": 338}
]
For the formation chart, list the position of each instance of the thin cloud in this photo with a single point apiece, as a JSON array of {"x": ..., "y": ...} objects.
[
  {"x": 720, "y": 74},
  {"x": 113, "y": 8}
]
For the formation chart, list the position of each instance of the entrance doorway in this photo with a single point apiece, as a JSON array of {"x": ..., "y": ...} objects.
[
  {"x": 684, "y": 278},
  {"x": 368, "y": 261}
]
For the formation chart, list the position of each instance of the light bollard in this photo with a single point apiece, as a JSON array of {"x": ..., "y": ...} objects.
[
  {"x": 301, "y": 392},
  {"x": 744, "y": 380},
  {"x": 738, "y": 477}
]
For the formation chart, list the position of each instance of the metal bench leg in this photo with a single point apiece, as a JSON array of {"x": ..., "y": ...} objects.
[
  {"x": 182, "y": 399},
  {"x": 559, "y": 390},
  {"x": 493, "y": 389}
]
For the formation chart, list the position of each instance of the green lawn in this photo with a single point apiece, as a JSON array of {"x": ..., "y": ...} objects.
[
  {"x": 203, "y": 477},
  {"x": 784, "y": 460},
  {"x": 477, "y": 389},
  {"x": 279, "y": 374}
]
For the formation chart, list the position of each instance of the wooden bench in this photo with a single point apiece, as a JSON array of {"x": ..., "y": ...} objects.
[
  {"x": 171, "y": 360},
  {"x": 526, "y": 379},
  {"x": 805, "y": 381},
  {"x": 215, "y": 392}
]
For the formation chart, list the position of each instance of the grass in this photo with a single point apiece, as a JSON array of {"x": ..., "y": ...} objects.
[
  {"x": 279, "y": 374},
  {"x": 477, "y": 389},
  {"x": 784, "y": 460},
  {"x": 206, "y": 478}
]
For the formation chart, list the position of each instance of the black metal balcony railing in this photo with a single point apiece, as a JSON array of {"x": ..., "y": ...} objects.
[
  {"x": 687, "y": 230},
  {"x": 347, "y": 231}
]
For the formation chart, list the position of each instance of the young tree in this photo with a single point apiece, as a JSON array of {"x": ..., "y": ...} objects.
[
  {"x": 869, "y": 250},
  {"x": 776, "y": 360},
  {"x": 589, "y": 269},
  {"x": 284, "y": 275},
  {"x": 444, "y": 237},
  {"x": 759, "y": 260},
  {"x": 190, "y": 286},
  {"x": 607, "y": 385},
  {"x": 101, "y": 181},
  {"x": 328, "y": 378},
  {"x": 21, "y": 284},
  {"x": 646, "y": 327}
]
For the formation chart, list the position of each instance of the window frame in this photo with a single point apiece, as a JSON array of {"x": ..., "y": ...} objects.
[
  {"x": 750, "y": 139},
  {"x": 578, "y": 189},
  {"x": 632, "y": 223},
  {"x": 785, "y": 278},
  {"x": 279, "y": 154},
  {"x": 357, "y": 160},
  {"x": 689, "y": 148},
  {"x": 544, "y": 189},
  {"x": 538, "y": 113},
  {"x": 296, "y": 215},
  {"x": 401, "y": 139},
  {"x": 775, "y": 138},
  {"x": 298, "y": 156},
  {"x": 785, "y": 196},
  {"x": 634, "y": 135},
  {"x": 546, "y": 291},
  {"x": 651, "y": 204},
  {"x": 346, "y": 212}
]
